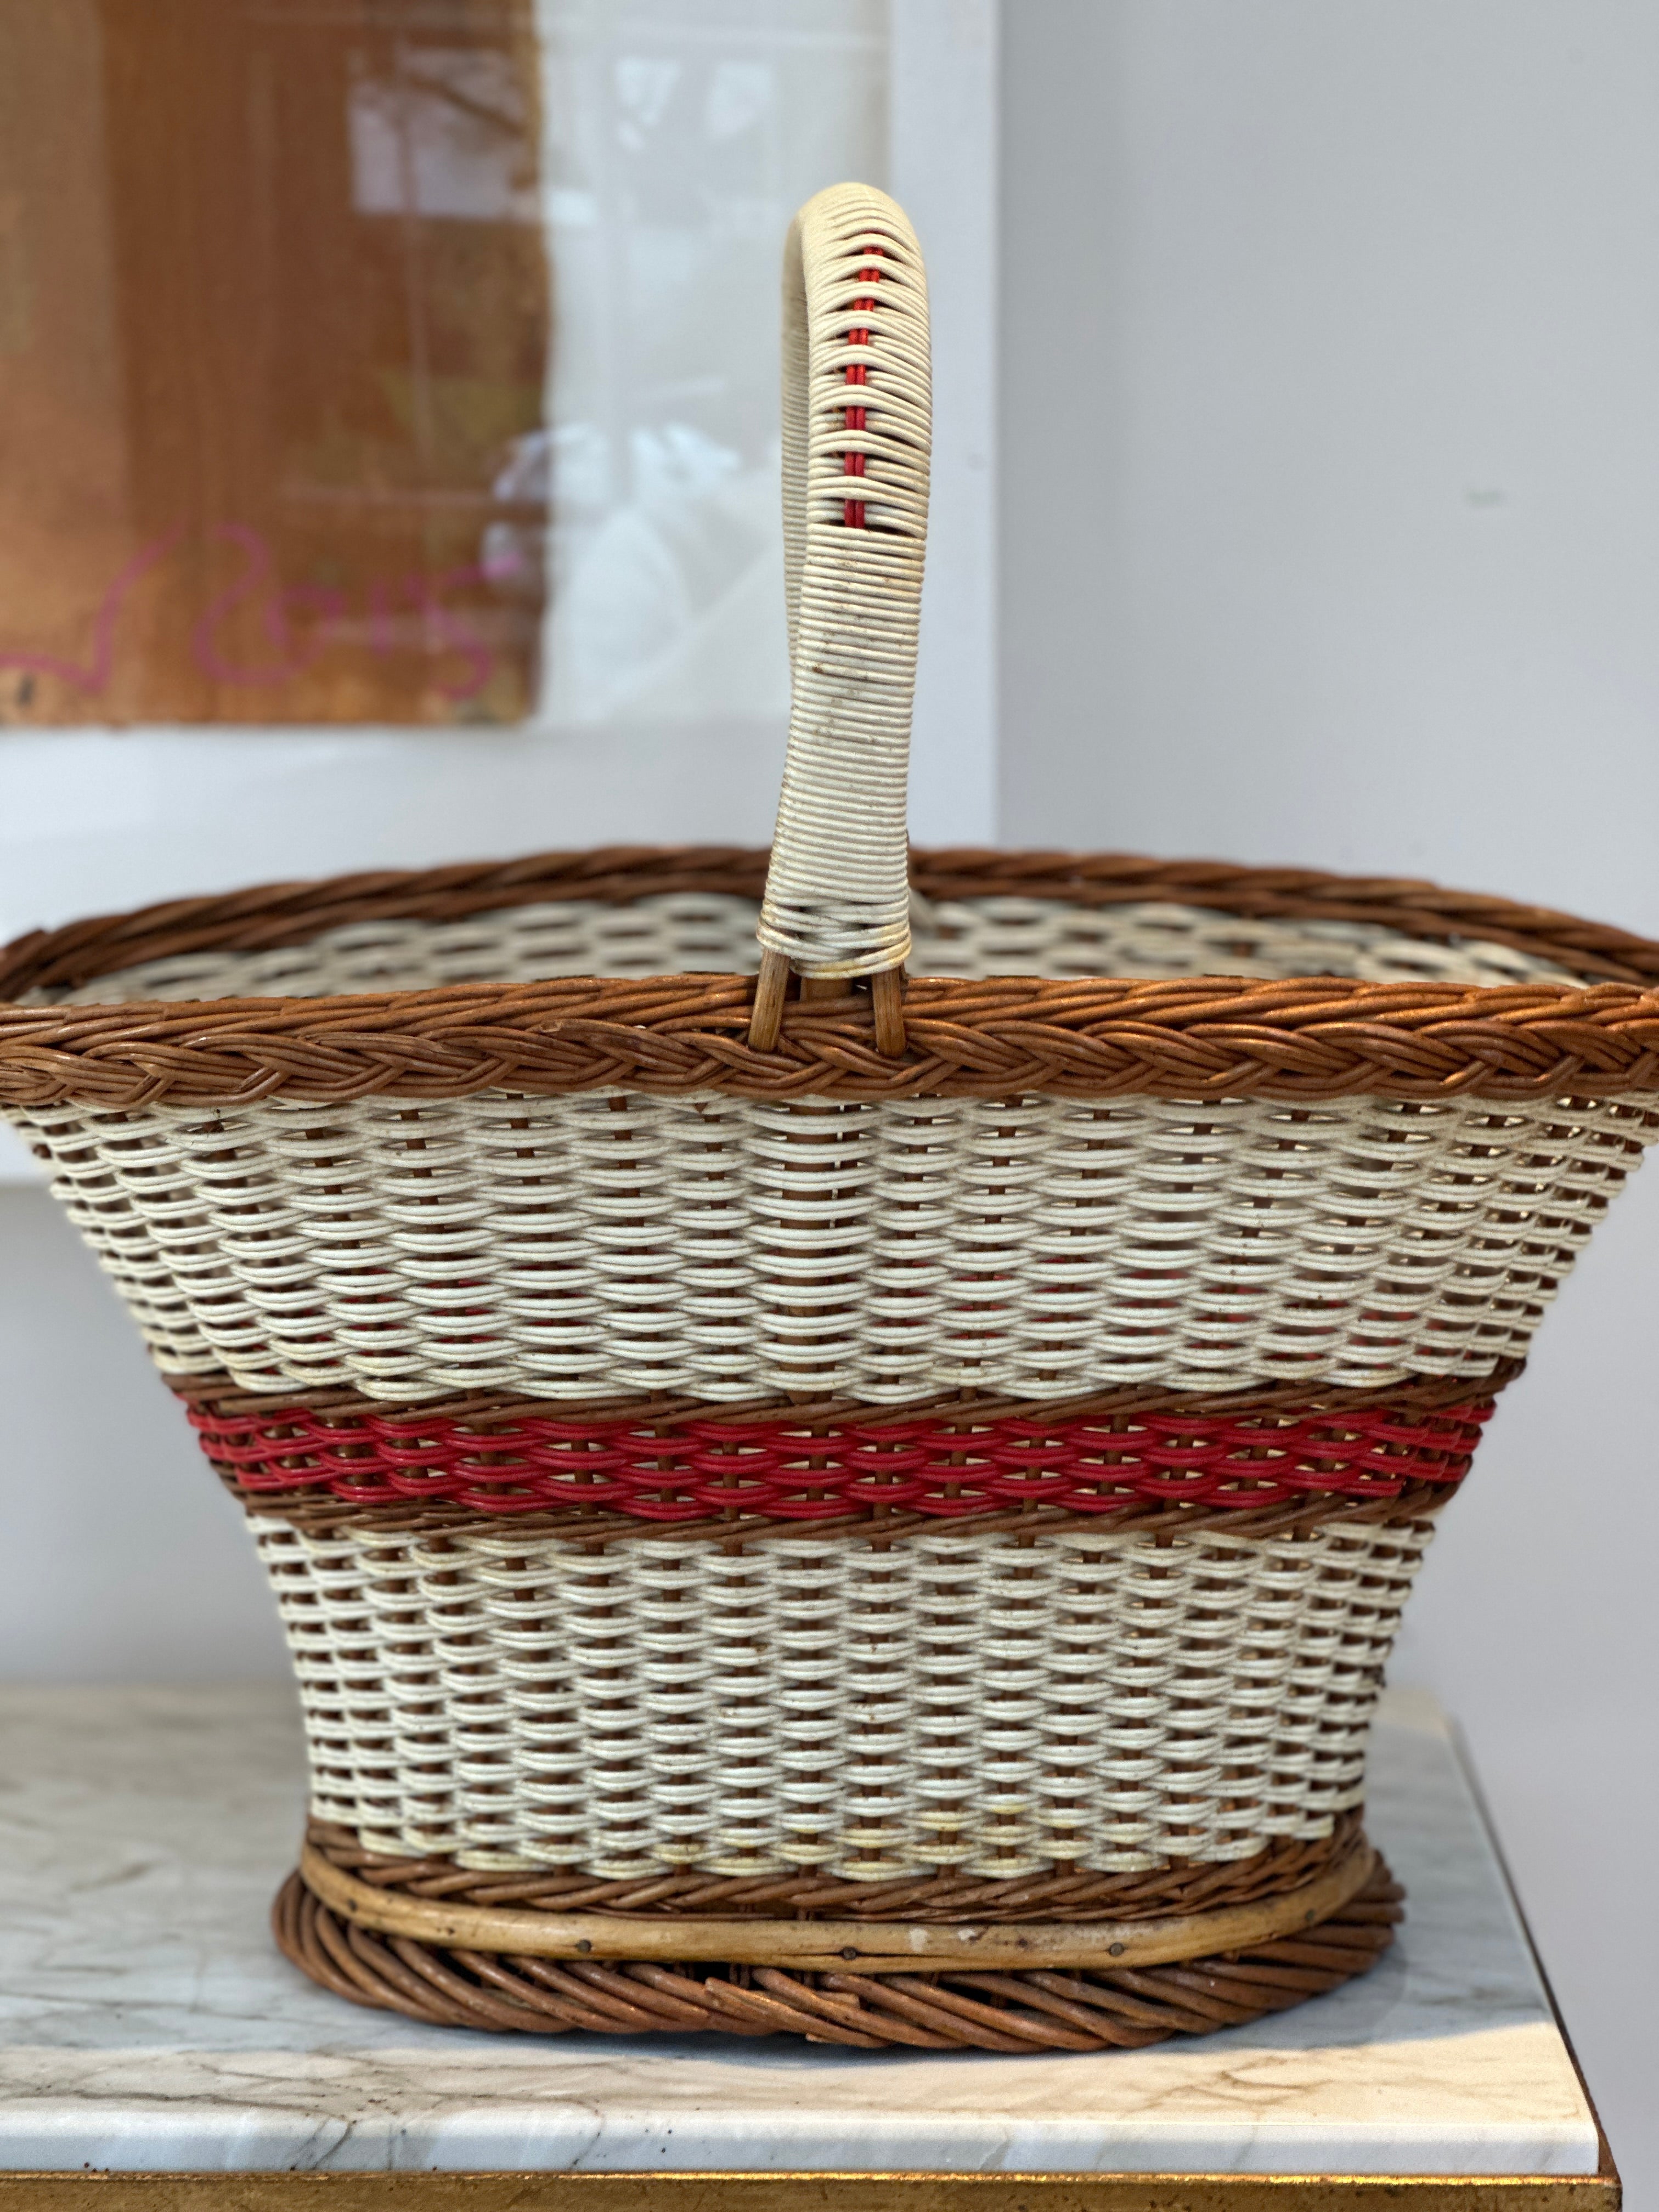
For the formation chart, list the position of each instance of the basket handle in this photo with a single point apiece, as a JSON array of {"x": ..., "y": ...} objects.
[{"x": 857, "y": 425}]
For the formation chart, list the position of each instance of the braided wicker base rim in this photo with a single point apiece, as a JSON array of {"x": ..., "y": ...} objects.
[
  {"x": 821, "y": 1946},
  {"x": 1033, "y": 2009}
]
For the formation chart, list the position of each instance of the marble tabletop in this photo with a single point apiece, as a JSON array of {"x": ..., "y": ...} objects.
[{"x": 147, "y": 2022}]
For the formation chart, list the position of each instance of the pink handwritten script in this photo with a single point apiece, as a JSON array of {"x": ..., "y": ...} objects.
[
  {"x": 258, "y": 581},
  {"x": 445, "y": 631}
]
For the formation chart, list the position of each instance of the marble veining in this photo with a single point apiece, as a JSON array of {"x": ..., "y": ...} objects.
[{"x": 148, "y": 2022}]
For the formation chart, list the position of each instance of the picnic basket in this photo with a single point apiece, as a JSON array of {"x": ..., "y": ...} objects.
[{"x": 807, "y": 1501}]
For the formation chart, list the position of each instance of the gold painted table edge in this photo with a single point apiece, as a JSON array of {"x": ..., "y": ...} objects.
[{"x": 412, "y": 2191}]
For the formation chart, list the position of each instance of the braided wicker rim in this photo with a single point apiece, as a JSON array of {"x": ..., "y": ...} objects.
[
  {"x": 1065, "y": 1893},
  {"x": 1307, "y": 1039},
  {"x": 1033, "y": 2010}
]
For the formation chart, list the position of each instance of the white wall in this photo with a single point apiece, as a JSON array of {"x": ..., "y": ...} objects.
[
  {"x": 1330, "y": 456},
  {"x": 120, "y": 1557}
]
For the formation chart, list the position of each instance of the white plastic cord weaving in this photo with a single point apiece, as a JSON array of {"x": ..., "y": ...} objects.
[
  {"x": 581, "y": 1246},
  {"x": 857, "y": 419},
  {"x": 703, "y": 932},
  {"x": 966, "y": 1701}
]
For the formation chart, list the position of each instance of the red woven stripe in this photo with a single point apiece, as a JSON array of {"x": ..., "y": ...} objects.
[{"x": 714, "y": 1469}]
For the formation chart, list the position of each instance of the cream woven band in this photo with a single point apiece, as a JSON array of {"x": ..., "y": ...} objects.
[
  {"x": 1043, "y": 1248},
  {"x": 857, "y": 421},
  {"x": 969, "y": 1702}
]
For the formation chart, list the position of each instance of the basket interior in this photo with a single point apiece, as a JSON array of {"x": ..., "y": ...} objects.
[{"x": 703, "y": 932}]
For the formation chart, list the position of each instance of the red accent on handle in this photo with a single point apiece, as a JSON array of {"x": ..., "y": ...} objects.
[{"x": 857, "y": 372}]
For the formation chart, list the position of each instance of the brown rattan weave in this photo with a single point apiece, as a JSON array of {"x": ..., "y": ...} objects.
[
  {"x": 1217, "y": 1038},
  {"x": 1210, "y": 1038},
  {"x": 1032, "y": 2010},
  {"x": 1067, "y": 1893},
  {"x": 966, "y": 1409},
  {"x": 1417, "y": 1506}
]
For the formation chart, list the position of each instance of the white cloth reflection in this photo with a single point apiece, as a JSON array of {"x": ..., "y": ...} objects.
[{"x": 671, "y": 608}]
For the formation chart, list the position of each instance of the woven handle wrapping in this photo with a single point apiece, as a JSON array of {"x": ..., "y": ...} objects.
[{"x": 857, "y": 420}]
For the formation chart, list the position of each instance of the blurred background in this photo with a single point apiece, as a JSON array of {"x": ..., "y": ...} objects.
[{"x": 387, "y": 459}]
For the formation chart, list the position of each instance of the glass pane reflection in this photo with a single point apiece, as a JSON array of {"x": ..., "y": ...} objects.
[
  {"x": 681, "y": 138},
  {"x": 287, "y": 439}
]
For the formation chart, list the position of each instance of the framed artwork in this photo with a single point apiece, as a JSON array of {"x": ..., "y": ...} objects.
[
  {"x": 412, "y": 364},
  {"x": 391, "y": 394}
]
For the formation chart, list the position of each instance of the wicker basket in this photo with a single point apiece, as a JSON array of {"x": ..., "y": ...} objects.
[{"x": 867, "y": 1509}]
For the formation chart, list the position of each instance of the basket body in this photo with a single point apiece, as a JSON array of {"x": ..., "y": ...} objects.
[
  {"x": 807, "y": 1503},
  {"x": 850, "y": 1508}
]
